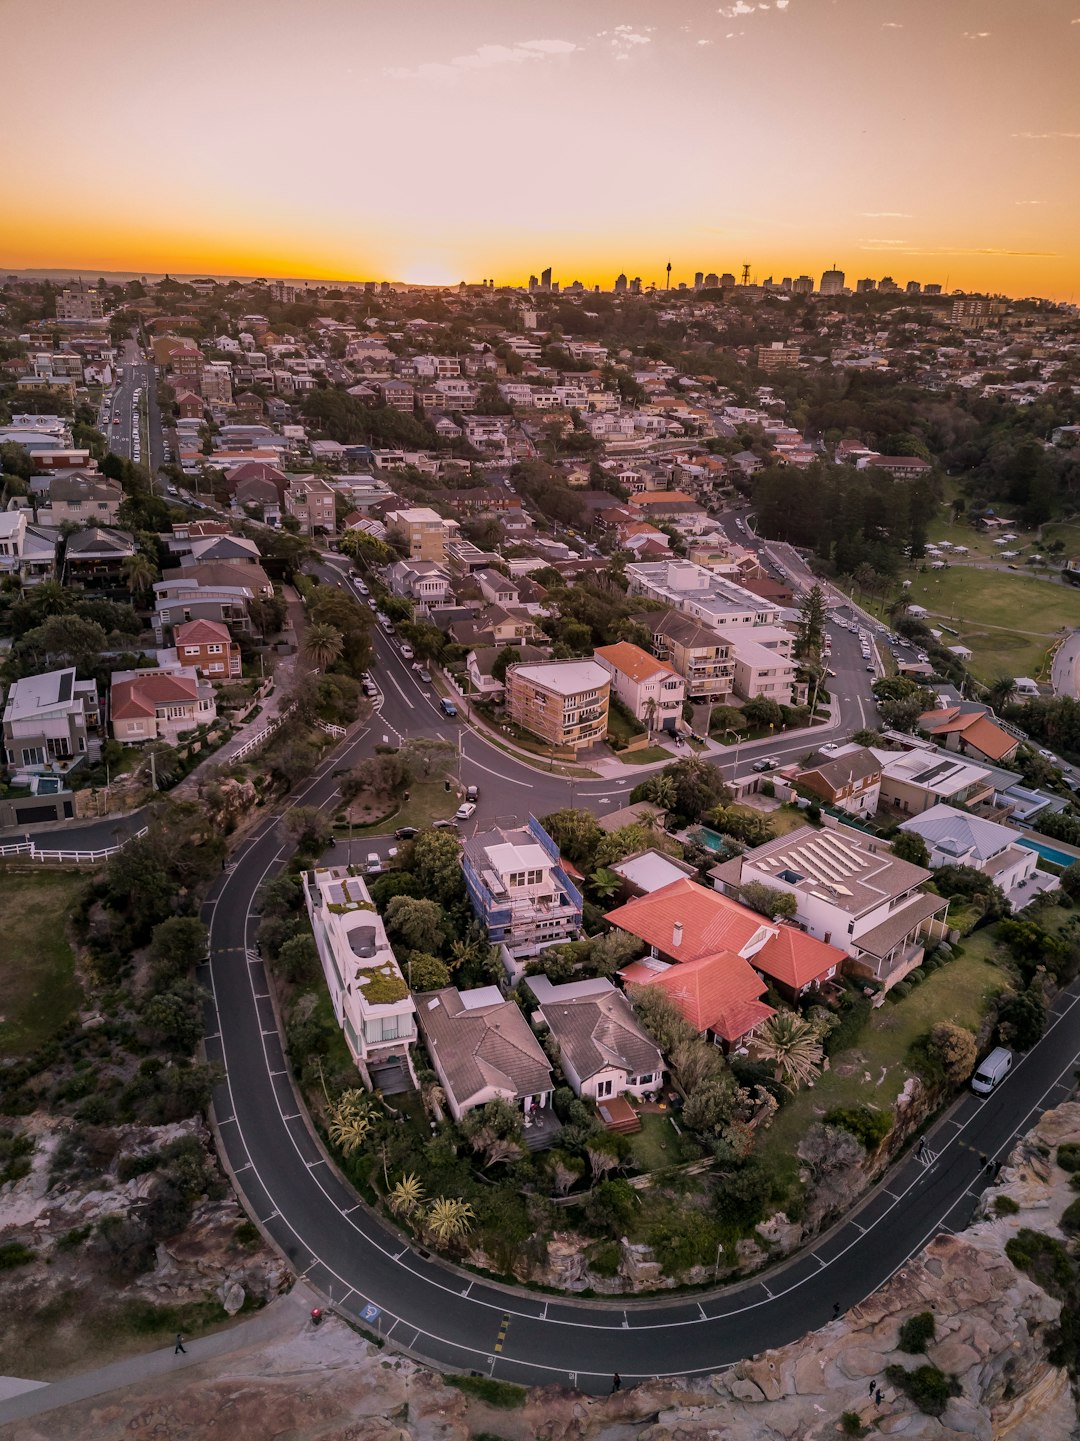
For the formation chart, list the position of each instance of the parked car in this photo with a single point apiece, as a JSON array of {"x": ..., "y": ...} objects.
[
  {"x": 472, "y": 793},
  {"x": 447, "y": 706},
  {"x": 829, "y": 747},
  {"x": 407, "y": 652},
  {"x": 990, "y": 1073},
  {"x": 374, "y": 863},
  {"x": 465, "y": 810},
  {"x": 425, "y": 675},
  {"x": 406, "y": 833},
  {"x": 764, "y": 765}
]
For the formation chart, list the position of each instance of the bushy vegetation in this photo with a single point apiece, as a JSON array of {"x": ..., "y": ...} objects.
[
  {"x": 917, "y": 1332},
  {"x": 930, "y": 1389},
  {"x": 502, "y": 1394}
]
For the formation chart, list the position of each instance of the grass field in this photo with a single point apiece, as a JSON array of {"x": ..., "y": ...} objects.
[
  {"x": 658, "y": 1144},
  {"x": 874, "y": 1070},
  {"x": 647, "y": 756},
  {"x": 428, "y": 801},
  {"x": 37, "y": 969},
  {"x": 1008, "y": 621}
]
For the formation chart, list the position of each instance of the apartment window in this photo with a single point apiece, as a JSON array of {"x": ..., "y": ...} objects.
[{"x": 214, "y": 649}]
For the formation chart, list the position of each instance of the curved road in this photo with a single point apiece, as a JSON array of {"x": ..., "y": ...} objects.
[{"x": 454, "y": 1319}]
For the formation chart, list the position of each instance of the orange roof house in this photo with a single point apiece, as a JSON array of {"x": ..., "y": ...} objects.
[{"x": 969, "y": 730}]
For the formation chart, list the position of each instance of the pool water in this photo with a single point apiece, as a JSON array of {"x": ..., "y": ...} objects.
[
  {"x": 1048, "y": 853},
  {"x": 712, "y": 840}
]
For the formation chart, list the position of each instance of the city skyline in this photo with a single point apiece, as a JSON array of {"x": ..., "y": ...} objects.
[{"x": 427, "y": 147}]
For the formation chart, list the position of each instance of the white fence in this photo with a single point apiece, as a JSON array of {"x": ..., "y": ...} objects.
[
  {"x": 260, "y": 737},
  {"x": 331, "y": 730},
  {"x": 34, "y": 852}
]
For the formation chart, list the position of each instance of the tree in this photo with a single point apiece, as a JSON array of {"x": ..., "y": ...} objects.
[
  {"x": 910, "y": 846},
  {"x": 426, "y": 972},
  {"x": 811, "y": 628},
  {"x": 448, "y": 1219},
  {"x": 761, "y": 711},
  {"x": 323, "y": 645},
  {"x": 67, "y": 640},
  {"x": 955, "y": 1050},
  {"x": 139, "y": 573},
  {"x": 1000, "y": 691},
  {"x": 1022, "y": 1017},
  {"x": 768, "y": 900},
  {"x": 660, "y": 1017},
  {"x": 418, "y": 924},
  {"x": 307, "y": 828},
  {"x": 172, "y": 1018},
  {"x": 607, "y": 1152},
  {"x": 406, "y": 1195},
  {"x": 604, "y": 884},
  {"x": 176, "y": 946},
  {"x": 699, "y": 787},
  {"x": 436, "y": 864},
  {"x": 298, "y": 960},
  {"x": 660, "y": 791},
  {"x": 565, "y": 1170},
  {"x": 1070, "y": 880},
  {"x": 793, "y": 1046},
  {"x": 496, "y": 1130},
  {"x": 351, "y": 1118},
  {"x": 710, "y": 1107},
  {"x": 429, "y": 757},
  {"x": 159, "y": 765},
  {"x": 576, "y": 833},
  {"x": 751, "y": 827},
  {"x": 379, "y": 776},
  {"x": 509, "y": 655}
]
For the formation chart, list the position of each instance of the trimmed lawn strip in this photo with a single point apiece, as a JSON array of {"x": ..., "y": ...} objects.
[
  {"x": 648, "y": 756},
  {"x": 658, "y": 1145},
  {"x": 40, "y": 991},
  {"x": 428, "y": 801}
]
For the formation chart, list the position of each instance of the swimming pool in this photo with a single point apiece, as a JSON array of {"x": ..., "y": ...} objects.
[
  {"x": 712, "y": 840},
  {"x": 1048, "y": 853}
]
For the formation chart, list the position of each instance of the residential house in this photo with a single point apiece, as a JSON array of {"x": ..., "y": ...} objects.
[
  {"x": 480, "y": 667},
  {"x": 850, "y": 892},
  {"x": 648, "y": 871},
  {"x": 849, "y": 779},
  {"x": 47, "y": 723},
  {"x": 914, "y": 780},
  {"x": 603, "y": 1049},
  {"x": 81, "y": 497},
  {"x": 179, "y": 600},
  {"x": 956, "y": 839},
  {"x": 371, "y": 1001},
  {"x": 425, "y": 532},
  {"x": 421, "y": 580},
  {"x": 494, "y": 625},
  {"x": 902, "y": 467},
  {"x": 27, "y": 552},
  {"x": 496, "y": 588},
  {"x": 159, "y": 704},
  {"x": 969, "y": 729},
  {"x": 519, "y": 889},
  {"x": 97, "y": 554},
  {"x": 311, "y": 502},
  {"x": 482, "y": 1050},
  {"x": 262, "y": 497},
  {"x": 701, "y": 655},
  {"x": 563, "y": 702},
  {"x": 207, "y": 647},
  {"x": 652, "y": 690}
]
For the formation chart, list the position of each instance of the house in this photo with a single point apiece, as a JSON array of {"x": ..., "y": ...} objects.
[
  {"x": 97, "y": 554},
  {"x": 207, "y": 647},
  {"x": 482, "y": 1050},
  {"x": 968, "y": 728},
  {"x": 849, "y": 779},
  {"x": 261, "y": 497},
  {"x": 422, "y": 580},
  {"x": 27, "y": 552},
  {"x": 902, "y": 467},
  {"x": 603, "y": 1050},
  {"x": 371, "y": 1001},
  {"x": 914, "y": 780},
  {"x": 850, "y": 892},
  {"x": 426, "y": 534},
  {"x": 651, "y": 690},
  {"x": 82, "y": 498},
  {"x": 480, "y": 667},
  {"x": 564, "y": 702},
  {"x": 496, "y": 588},
  {"x": 311, "y": 502},
  {"x": 954, "y": 838},
  {"x": 649, "y": 871},
  {"x": 698, "y": 653},
  {"x": 519, "y": 889},
  {"x": 159, "y": 704},
  {"x": 47, "y": 721}
]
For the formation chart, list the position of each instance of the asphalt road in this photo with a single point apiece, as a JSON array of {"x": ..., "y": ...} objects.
[{"x": 454, "y": 1319}]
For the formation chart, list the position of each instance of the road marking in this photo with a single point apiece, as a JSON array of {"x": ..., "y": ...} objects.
[
  {"x": 502, "y": 1333},
  {"x": 394, "y": 682},
  {"x": 499, "y": 775}
]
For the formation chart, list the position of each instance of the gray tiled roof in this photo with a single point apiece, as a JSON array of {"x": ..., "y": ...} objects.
[
  {"x": 598, "y": 1031},
  {"x": 482, "y": 1046}
]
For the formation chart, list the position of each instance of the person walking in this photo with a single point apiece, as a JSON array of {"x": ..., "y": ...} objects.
[
  {"x": 879, "y": 1396},
  {"x": 835, "y": 1309},
  {"x": 179, "y": 1349},
  {"x": 616, "y": 1382},
  {"x": 873, "y": 1388}
]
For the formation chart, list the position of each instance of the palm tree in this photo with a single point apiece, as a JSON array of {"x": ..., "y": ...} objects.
[
  {"x": 1000, "y": 691},
  {"x": 604, "y": 883},
  {"x": 406, "y": 1195},
  {"x": 140, "y": 572},
  {"x": 793, "y": 1046},
  {"x": 661, "y": 791},
  {"x": 467, "y": 952},
  {"x": 448, "y": 1219},
  {"x": 650, "y": 714},
  {"x": 322, "y": 645},
  {"x": 350, "y": 1121}
]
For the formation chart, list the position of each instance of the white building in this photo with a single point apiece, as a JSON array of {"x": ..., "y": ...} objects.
[
  {"x": 954, "y": 838},
  {"x": 652, "y": 690},
  {"x": 602, "y": 1049}
]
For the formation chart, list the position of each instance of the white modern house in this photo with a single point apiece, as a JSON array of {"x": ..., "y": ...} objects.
[
  {"x": 47, "y": 720},
  {"x": 954, "y": 838},
  {"x": 372, "y": 1003}
]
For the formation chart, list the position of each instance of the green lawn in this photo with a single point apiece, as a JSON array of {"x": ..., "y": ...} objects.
[
  {"x": 37, "y": 968},
  {"x": 428, "y": 801},
  {"x": 874, "y": 1070},
  {"x": 658, "y": 1144},
  {"x": 647, "y": 756},
  {"x": 1008, "y": 621}
]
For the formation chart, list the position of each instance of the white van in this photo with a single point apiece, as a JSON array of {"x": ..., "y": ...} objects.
[{"x": 989, "y": 1073}]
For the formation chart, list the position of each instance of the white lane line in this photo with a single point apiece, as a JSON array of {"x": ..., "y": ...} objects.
[
  {"x": 394, "y": 682},
  {"x": 514, "y": 780}
]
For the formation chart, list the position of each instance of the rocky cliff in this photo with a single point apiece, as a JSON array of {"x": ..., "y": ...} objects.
[{"x": 993, "y": 1331}]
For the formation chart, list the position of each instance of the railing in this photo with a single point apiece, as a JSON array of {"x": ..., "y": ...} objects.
[
  {"x": 262, "y": 736},
  {"x": 35, "y": 852},
  {"x": 331, "y": 729}
]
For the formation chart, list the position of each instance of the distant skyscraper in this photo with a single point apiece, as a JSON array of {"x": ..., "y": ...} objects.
[
  {"x": 727, "y": 281},
  {"x": 712, "y": 281},
  {"x": 832, "y": 282},
  {"x": 786, "y": 283},
  {"x": 699, "y": 279},
  {"x": 803, "y": 286},
  {"x": 931, "y": 289},
  {"x": 533, "y": 283},
  {"x": 913, "y": 287},
  {"x": 620, "y": 283},
  {"x": 865, "y": 285},
  {"x": 635, "y": 285},
  {"x": 545, "y": 279}
]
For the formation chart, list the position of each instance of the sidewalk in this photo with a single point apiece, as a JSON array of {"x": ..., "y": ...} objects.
[{"x": 281, "y": 1317}]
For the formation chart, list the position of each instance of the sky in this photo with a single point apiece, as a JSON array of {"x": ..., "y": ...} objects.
[{"x": 431, "y": 141}]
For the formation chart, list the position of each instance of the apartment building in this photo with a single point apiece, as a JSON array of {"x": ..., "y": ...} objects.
[
  {"x": 47, "y": 723},
  {"x": 563, "y": 702},
  {"x": 310, "y": 501},
  {"x": 700, "y": 593},
  {"x": 850, "y": 891},
  {"x": 207, "y": 648},
  {"x": 701, "y": 655},
  {"x": 652, "y": 690},
  {"x": 519, "y": 890},
  {"x": 426, "y": 533},
  {"x": 778, "y": 355},
  {"x": 159, "y": 705},
  {"x": 371, "y": 1001},
  {"x": 82, "y": 304}
]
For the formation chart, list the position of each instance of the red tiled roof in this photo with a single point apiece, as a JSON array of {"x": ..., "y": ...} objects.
[
  {"x": 141, "y": 696},
  {"x": 632, "y": 661},
  {"x": 977, "y": 730},
  {"x": 202, "y": 632},
  {"x": 710, "y": 922},
  {"x": 795, "y": 959},
  {"x": 718, "y": 993}
]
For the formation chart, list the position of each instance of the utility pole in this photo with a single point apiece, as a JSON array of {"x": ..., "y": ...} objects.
[
  {"x": 153, "y": 771},
  {"x": 669, "y": 275}
]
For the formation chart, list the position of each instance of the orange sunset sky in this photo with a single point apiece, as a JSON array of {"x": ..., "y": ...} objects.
[{"x": 435, "y": 140}]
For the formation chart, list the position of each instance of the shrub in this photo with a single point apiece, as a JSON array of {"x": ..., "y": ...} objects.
[
  {"x": 916, "y": 1333},
  {"x": 901, "y": 990},
  {"x": 1043, "y": 1258},
  {"x": 1068, "y": 1156},
  {"x": 929, "y": 1388},
  {"x": 1005, "y": 1206},
  {"x": 1070, "y": 1220},
  {"x": 246, "y": 1234},
  {"x": 854, "y": 1013},
  {"x": 15, "y": 1153},
  {"x": 14, "y": 1253},
  {"x": 604, "y": 1259},
  {"x": 870, "y": 1126},
  {"x": 850, "y": 1424},
  {"x": 503, "y": 1394}
]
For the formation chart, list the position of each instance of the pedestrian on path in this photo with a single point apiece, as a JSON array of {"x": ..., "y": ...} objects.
[
  {"x": 835, "y": 1309},
  {"x": 990, "y": 1171},
  {"x": 984, "y": 1160},
  {"x": 179, "y": 1349},
  {"x": 879, "y": 1396},
  {"x": 873, "y": 1388},
  {"x": 920, "y": 1149},
  {"x": 616, "y": 1383}
]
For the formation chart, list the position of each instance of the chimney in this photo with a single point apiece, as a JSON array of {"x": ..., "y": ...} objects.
[{"x": 676, "y": 935}]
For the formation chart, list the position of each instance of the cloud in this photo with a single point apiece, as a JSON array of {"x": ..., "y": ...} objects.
[
  {"x": 1031, "y": 202},
  {"x": 624, "y": 39},
  {"x": 976, "y": 34},
  {"x": 485, "y": 57},
  {"x": 704, "y": 42},
  {"x": 1046, "y": 135},
  {"x": 744, "y": 7},
  {"x": 891, "y": 25},
  {"x": 885, "y": 215}
]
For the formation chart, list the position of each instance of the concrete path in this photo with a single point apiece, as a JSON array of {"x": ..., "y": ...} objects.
[
  {"x": 279, "y": 1318},
  {"x": 1065, "y": 671}
]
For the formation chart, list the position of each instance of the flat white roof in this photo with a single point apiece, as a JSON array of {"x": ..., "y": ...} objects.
[
  {"x": 507, "y": 857},
  {"x": 568, "y": 677}
]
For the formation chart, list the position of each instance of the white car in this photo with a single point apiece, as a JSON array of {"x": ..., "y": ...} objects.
[
  {"x": 829, "y": 747},
  {"x": 1049, "y": 756},
  {"x": 373, "y": 864},
  {"x": 465, "y": 810},
  {"x": 407, "y": 652}
]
